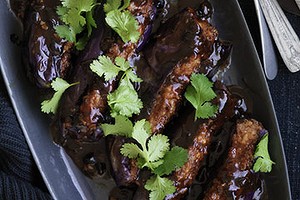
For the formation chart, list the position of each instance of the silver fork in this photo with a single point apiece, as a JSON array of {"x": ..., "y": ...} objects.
[{"x": 283, "y": 34}]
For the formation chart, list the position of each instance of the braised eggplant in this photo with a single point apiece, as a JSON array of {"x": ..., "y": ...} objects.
[
  {"x": 171, "y": 48},
  {"x": 46, "y": 55}
]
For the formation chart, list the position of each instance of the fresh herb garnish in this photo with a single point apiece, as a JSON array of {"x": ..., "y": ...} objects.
[
  {"x": 124, "y": 100},
  {"x": 160, "y": 187},
  {"x": 122, "y": 127},
  {"x": 199, "y": 94},
  {"x": 153, "y": 152},
  {"x": 263, "y": 161},
  {"x": 76, "y": 15},
  {"x": 121, "y": 20},
  {"x": 149, "y": 153},
  {"x": 59, "y": 85},
  {"x": 173, "y": 159},
  {"x": 111, "y": 5}
]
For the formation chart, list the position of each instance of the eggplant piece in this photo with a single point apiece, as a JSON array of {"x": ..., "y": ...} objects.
[
  {"x": 84, "y": 106},
  {"x": 179, "y": 37},
  {"x": 95, "y": 100},
  {"x": 128, "y": 169},
  {"x": 67, "y": 112},
  {"x": 199, "y": 141},
  {"x": 217, "y": 150},
  {"x": 46, "y": 55},
  {"x": 170, "y": 94},
  {"x": 82, "y": 141},
  {"x": 235, "y": 179},
  {"x": 196, "y": 136},
  {"x": 174, "y": 42}
]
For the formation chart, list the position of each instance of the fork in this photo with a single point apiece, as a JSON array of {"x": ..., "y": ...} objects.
[{"x": 283, "y": 34}]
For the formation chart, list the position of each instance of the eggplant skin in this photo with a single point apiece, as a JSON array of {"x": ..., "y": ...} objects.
[
  {"x": 46, "y": 55},
  {"x": 235, "y": 179}
]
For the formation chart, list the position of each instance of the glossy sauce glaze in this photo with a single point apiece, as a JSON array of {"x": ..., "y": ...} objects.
[
  {"x": 46, "y": 55},
  {"x": 171, "y": 41}
]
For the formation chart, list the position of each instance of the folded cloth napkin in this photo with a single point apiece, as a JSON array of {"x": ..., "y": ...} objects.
[{"x": 19, "y": 176}]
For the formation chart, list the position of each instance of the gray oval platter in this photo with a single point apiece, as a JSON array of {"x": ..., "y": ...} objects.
[{"x": 61, "y": 176}]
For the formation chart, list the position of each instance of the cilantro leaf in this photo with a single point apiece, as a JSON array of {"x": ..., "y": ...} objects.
[
  {"x": 124, "y": 101},
  {"x": 76, "y": 16},
  {"x": 116, "y": 19},
  {"x": 122, "y": 63},
  {"x": 127, "y": 69},
  {"x": 80, "y": 44},
  {"x": 207, "y": 110},
  {"x": 199, "y": 93},
  {"x": 263, "y": 161},
  {"x": 65, "y": 32},
  {"x": 59, "y": 85},
  {"x": 123, "y": 127},
  {"x": 131, "y": 150},
  {"x": 124, "y": 24},
  {"x": 115, "y": 5},
  {"x": 175, "y": 158},
  {"x": 62, "y": 11},
  {"x": 75, "y": 20},
  {"x": 141, "y": 132},
  {"x": 83, "y": 5},
  {"x": 159, "y": 187},
  {"x": 104, "y": 66},
  {"x": 112, "y": 5},
  {"x": 90, "y": 23},
  {"x": 153, "y": 152},
  {"x": 158, "y": 145}
]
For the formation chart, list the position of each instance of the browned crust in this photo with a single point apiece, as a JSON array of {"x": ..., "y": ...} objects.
[
  {"x": 96, "y": 100},
  {"x": 240, "y": 159},
  {"x": 184, "y": 177},
  {"x": 169, "y": 96},
  {"x": 170, "y": 93}
]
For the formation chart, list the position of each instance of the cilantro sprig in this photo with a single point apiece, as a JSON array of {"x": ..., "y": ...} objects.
[
  {"x": 122, "y": 127},
  {"x": 152, "y": 152},
  {"x": 77, "y": 16},
  {"x": 59, "y": 85},
  {"x": 160, "y": 187},
  {"x": 263, "y": 161},
  {"x": 149, "y": 153},
  {"x": 124, "y": 100},
  {"x": 199, "y": 94},
  {"x": 121, "y": 20}
]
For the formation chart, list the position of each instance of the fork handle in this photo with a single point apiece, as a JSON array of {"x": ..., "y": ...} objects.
[{"x": 283, "y": 33}]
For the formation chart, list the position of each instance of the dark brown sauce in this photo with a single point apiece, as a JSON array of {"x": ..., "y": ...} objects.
[
  {"x": 45, "y": 55},
  {"x": 153, "y": 63}
]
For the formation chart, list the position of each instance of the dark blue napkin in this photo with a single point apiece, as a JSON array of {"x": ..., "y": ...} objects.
[{"x": 20, "y": 178}]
